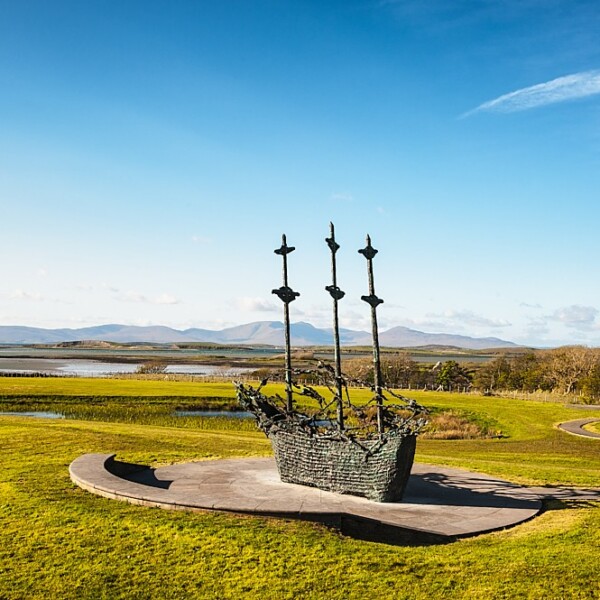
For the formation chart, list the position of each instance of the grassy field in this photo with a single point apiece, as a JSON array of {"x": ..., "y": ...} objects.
[
  {"x": 57, "y": 541},
  {"x": 595, "y": 427},
  {"x": 80, "y": 386}
]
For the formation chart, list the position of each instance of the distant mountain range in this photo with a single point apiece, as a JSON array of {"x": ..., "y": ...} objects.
[{"x": 261, "y": 332}]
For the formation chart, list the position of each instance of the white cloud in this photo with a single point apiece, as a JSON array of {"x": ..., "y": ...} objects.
[
  {"x": 388, "y": 305},
  {"x": 201, "y": 239},
  {"x": 351, "y": 319},
  {"x": 23, "y": 295},
  {"x": 131, "y": 296},
  {"x": 432, "y": 325},
  {"x": 467, "y": 317},
  {"x": 342, "y": 197},
  {"x": 136, "y": 297},
  {"x": 569, "y": 87},
  {"x": 527, "y": 305},
  {"x": 166, "y": 299},
  {"x": 582, "y": 318},
  {"x": 248, "y": 304},
  {"x": 537, "y": 328}
]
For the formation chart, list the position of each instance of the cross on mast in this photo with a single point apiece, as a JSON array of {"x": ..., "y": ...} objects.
[
  {"x": 336, "y": 294},
  {"x": 286, "y": 294},
  {"x": 373, "y": 301}
]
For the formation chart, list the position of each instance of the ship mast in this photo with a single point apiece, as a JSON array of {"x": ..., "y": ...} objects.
[
  {"x": 337, "y": 294},
  {"x": 286, "y": 294},
  {"x": 373, "y": 301}
]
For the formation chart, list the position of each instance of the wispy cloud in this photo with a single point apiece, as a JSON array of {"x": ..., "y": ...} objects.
[
  {"x": 248, "y": 304},
  {"x": 569, "y": 87},
  {"x": 582, "y": 318},
  {"x": 201, "y": 239},
  {"x": 166, "y": 299},
  {"x": 136, "y": 297},
  {"x": 131, "y": 296},
  {"x": 467, "y": 317},
  {"x": 537, "y": 328},
  {"x": 351, "y": 319},
  {"x": 23, "y": 295},
  {"x": 342, "y": 197},
  {"x": 528, "y": 305},
  {"x": 94, "y": 288}
]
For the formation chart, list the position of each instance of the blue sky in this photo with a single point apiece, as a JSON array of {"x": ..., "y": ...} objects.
[{"x": 152, "y": 153}]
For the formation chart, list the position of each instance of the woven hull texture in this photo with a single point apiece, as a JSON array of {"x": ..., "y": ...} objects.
[{"x": 375, "y": 471}]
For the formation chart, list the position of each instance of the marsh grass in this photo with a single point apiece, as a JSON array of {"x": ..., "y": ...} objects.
[
  {"x": 159, "y": 415},
  {"x": 110, "y": 404},
  {"x": 455, "y": 425}
]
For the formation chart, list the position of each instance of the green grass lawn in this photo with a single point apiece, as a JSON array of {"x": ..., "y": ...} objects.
[
  {"x": 96, "y": 387},
  {"x": 595, "y": 427},
  {"x": 57, "y": 541}
]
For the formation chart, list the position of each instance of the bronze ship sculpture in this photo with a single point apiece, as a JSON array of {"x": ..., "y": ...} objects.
[{"x": 359, "y": 449}]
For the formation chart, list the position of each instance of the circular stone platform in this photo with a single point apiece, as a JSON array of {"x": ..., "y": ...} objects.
[{"x": 440, "y": 503}]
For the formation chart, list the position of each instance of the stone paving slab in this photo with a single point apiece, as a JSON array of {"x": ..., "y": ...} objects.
[{"x": 440, "y": 502}]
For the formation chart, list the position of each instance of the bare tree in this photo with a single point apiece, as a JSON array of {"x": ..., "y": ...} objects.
[
  {"x": 398, "y": 369},
  {"x": 567, "y": 366}
]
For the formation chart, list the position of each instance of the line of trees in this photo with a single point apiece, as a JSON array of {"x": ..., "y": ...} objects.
[
  {"x": 401, "y": 371},
  {"x": 566, "y": 370}
]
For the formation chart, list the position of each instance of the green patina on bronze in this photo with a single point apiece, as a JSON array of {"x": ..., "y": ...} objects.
[{"x": 365, "y": 450}]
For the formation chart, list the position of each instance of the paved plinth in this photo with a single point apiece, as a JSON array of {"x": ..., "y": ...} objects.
[{"x": 440, "y": 503}]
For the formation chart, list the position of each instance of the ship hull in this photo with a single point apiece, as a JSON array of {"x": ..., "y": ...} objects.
[{"x": 376, "y": 470}]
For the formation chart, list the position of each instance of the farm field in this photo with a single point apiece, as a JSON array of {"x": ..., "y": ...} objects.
[{"x": 58, "y": 541}]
